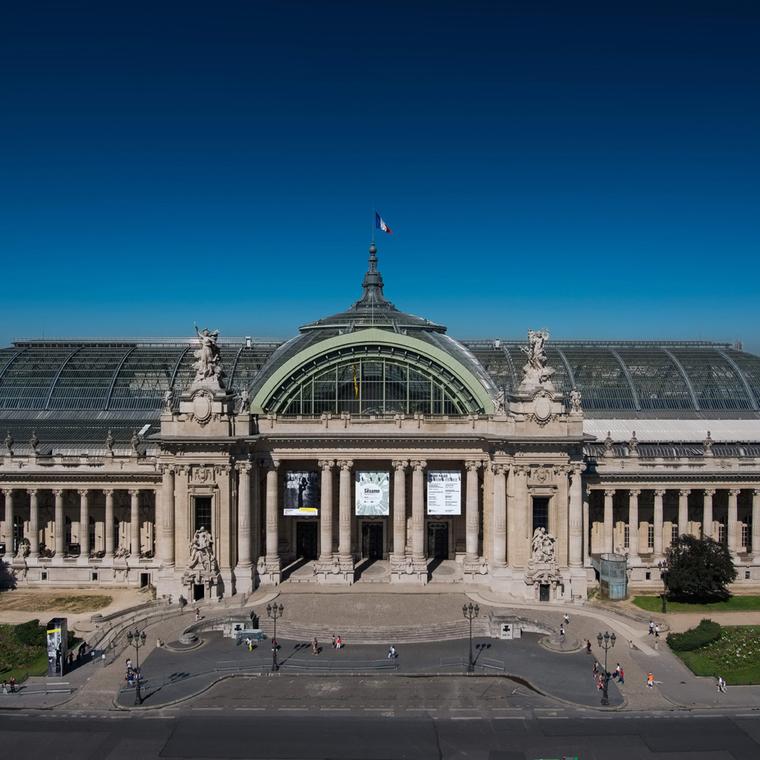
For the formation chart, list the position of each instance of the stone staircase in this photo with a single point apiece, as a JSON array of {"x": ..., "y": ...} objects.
[{"x": 396, "y": 634}]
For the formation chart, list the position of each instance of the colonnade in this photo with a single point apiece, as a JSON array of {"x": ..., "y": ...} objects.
[
  {"x": 660, "y": 542},
  {"x": 59, "y": 548}
]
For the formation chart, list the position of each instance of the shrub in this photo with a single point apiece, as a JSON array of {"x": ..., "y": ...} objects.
[
  {"x": 30, "y": 634},
  {"x": 698, "y": 570},
  {"x": 706, "y": 632}
]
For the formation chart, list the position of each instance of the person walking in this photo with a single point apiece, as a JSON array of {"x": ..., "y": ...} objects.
[
  {"x": 566, "y": 619},
  {"x": 721, "y": 684},
  {"x": 12, "y": 684},
  {"x": 392, "y": 652},
  {"x": 650, "y": 680},
  {"x": 333, "y": 641},
  {"x": 657, "y": 630},
  {"x": 588, "y": 646},
  {"x": 621, "y": 675},
  {"x": 315, "y": 646},
  {"x": 651, "y": 627},
  {"x": 595, "y": 669},
  {"x": 338, "y": 643},
  {"x": 197, "y": 613}
]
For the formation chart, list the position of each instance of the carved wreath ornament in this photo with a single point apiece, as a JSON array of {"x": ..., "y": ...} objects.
[{"x": 202, "y": 407}]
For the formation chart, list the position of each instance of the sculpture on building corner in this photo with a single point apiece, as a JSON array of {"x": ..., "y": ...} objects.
[
  {"x": 575, "y": 401},
  {"x": 9, "y": 443},
  {"x": 536, "y": 373},
  {"x": 208, "y": 366},
  {"x": 168, "y": 400},
  {"x": 499, "y": 402}
]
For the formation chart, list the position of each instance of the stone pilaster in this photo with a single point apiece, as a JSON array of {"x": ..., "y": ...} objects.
[
  {"x": 472, "y": 515},
  {"x": 269, "y": 568},
  {"x": 108, "y": 527},
  {"x": 60, "y": 525},
  {"x": 575, "y": 518},
  {"x": 683, "y": 511},
  {"x": 326, "y": 511},
  {"x": 9, "y": 516},
  {"x": 756, "y": 525},
  {"x": 399, "y": 508},
  {"x": 165, "y": 518},
  {"x": 243, "y": 568},
  {"x": 134, "y": 524},
  {"x": 658, "y": 520},
  {"x": 733, "y": 522},
  {"x": 707, "y": 513},
  {"x": 499, "y": 515}
]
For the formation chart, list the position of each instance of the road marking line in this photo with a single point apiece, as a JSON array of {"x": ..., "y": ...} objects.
[
  {"x": 466, "y": 717},
  {"x": 335, "y": 709},
  {"x": 508, "y": 717},
  {"x": 208, "y": 708},
  {"x": 250, "y": 708}
]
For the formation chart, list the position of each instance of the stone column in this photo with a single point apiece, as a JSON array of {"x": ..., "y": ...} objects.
[
  {"x": 60, "y": 527},
  {"x": 683, "y": 511},
  {"x": 633, "y": 526},
  {"x": 34, "y": 524},
  {"x": 243, "y": 576},
  {"x": 575, "y": 518},
  {"x": 499, "y": 515},
  {"x": 344, "y": 514},
  {"x": 244, "y": 514},
  {"x": 472, "y": 518},
  {"x": 609, "y": 526},
  {"x": 8, "y": 537},
  {"x": 134, "y": 523},
  {"x": 108, "y": 527},
  {"x": 326, "y": 514},
  {"x": 658, "y": 518},
  {"x": 586, "y": 528},
  {"x": 707, "y": 513},
  {"x": 273, "y": 555},
  {"x": 84, "y": 524},
  {"x": 755, "y": 524},
  {"x": 399, "y": 508},
  {"x": 733, "y": 539},
  {"x": 418, "y": 512},
  {"x": 166, "y": 520}
]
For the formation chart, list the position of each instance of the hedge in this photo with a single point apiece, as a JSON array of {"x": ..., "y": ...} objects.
[{"x": 694, "y": 638}]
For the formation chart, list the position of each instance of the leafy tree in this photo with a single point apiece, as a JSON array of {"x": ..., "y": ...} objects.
[{"x": 698, "y": 570}]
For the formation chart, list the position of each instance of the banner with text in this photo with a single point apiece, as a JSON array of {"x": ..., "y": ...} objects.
[
  {"x": 373, "y": 494},
  {"x": 301, "y": 494},
  {"x": 444, "y": 492}
]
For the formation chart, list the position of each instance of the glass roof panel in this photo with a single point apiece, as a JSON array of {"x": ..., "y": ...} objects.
[
  {"x": 749, "y": 365},
  {"x": 144, "y": 377},
  {"x": 715, "y": 382},
  {"x": 658, "y": 381},
  {"x": 86, "y": 378},
  {"x": 26, "y": 382}
]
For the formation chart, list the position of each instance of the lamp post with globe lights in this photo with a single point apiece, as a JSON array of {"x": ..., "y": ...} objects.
[
  {"x": 470, "y": 612},
  {"x": 606, "y": 641},
  {"x": 136, "y": 639},
  {"x": 274, "y": 612}
]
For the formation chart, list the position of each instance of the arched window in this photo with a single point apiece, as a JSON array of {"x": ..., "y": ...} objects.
[{"x": 373, "y": 381}]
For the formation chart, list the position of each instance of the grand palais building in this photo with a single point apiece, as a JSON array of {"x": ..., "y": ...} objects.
[{"x": 372, "y": 447}]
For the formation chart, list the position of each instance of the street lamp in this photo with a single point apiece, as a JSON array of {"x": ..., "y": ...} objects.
[
  {"x": 136, "y": 639},
  {"x": 606, "y": 641},
  {"x": 470, "y": 612},
  {"x": 274, "y": 611}
]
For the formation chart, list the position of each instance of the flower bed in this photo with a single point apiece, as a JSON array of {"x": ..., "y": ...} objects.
[{"x": 735, "y": 655}]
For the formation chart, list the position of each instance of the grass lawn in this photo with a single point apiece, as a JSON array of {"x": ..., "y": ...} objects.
[
  {"x": 732, "y": 604},
  {"x": 735, "y": 656},
  {"x": 20, "y": 601}
]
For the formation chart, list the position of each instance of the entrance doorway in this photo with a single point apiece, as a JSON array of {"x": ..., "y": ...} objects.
[
  {"x": 438, "y": 540},
  {"x": 543, "y": 592},
  {"x": 306, "y": 540},
  {"x": 372, "y": 540},
  {"x": 199, "y": 591}
]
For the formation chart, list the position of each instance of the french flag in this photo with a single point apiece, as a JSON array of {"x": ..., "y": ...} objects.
[{"x": 381, "y": 225}]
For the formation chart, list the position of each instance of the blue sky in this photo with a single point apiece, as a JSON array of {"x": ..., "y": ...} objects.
[{"x": 591, "y": 168}]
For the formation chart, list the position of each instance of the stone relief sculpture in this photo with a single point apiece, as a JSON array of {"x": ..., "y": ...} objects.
[
  {"x": 9, "y": 443},
  {"x": 575, "y": 401},
  {"x": 134, "y": 442},
  {"x": 168, "y": 400},
  {"x": 202, "y": 551},
  {"x": 244, "y": 401},
  {"x": 543, "y": 546},
  {"x": 23, "y": 548},
  {"x": 121, "y": 552},
  {"x": 499, "y": 402},
  {"x": 536, "y": 373},
  {"x": 109, "y": 442},
  {"x": 208, "y": 366}
]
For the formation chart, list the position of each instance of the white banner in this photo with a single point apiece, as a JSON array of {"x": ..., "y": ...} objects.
[
  {"x": 372, "y": 494},
  {"x": 444, "y": 492}
]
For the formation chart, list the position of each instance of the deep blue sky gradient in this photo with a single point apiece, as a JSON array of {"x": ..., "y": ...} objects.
[{"x": 591, "y": 168}]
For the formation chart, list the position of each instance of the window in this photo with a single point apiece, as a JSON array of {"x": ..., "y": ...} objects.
[
  {"x": 647, "y": 576},
  {"x": 650, "y": 536},
  {"x": 627, "y": 537},
  {"x": 721, "y": 533},
  {"x": 202, "y": 513},
  {"x": 746, "y": 540},
  {"x": 541, "y": 512},
  {"x": 673, "y": 533}
]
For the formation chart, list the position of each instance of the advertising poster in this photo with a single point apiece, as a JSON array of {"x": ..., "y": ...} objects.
[
  {"x": 57, "y": 645},
  {"x": 301, "y": 494},
  {"x": 444, "y": 492},
  {"x": 372, "y": 494}
]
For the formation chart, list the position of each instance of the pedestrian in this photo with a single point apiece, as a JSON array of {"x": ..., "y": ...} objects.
[
  {"x": 315, "y": 646},
  {"x": 197, "y": 613},
  {"x": 650, "y": 680},
  {"x": 657, "y": 630},
  {"x": 721, "y": 684},
  {"x": 566, "y": 619},
  {"x": 5, "y": 687},
  {"x": 621, "y": 675},
  {"x": 562, "y": 631},
  {"x": 595, "y": 669},
  {"x": 333, "y": 641},
  {"x": 651, "y": 627},
  {"x": 392, "y": 652},
  {"x": 12, "y": 684},
  {"x": 103, "y": 658},
  {"x": 338, "y": 643},
  {"x": 599, "y": 682},
  {"x": 588, "y": 646},
  {"x": 616, "y": 672}
]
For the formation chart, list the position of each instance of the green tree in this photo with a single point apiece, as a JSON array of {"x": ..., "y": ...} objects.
[{"x": 698, "y": 570}]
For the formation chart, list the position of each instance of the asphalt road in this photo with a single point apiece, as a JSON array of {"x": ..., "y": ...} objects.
[{"x": 277, "y": 736}]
